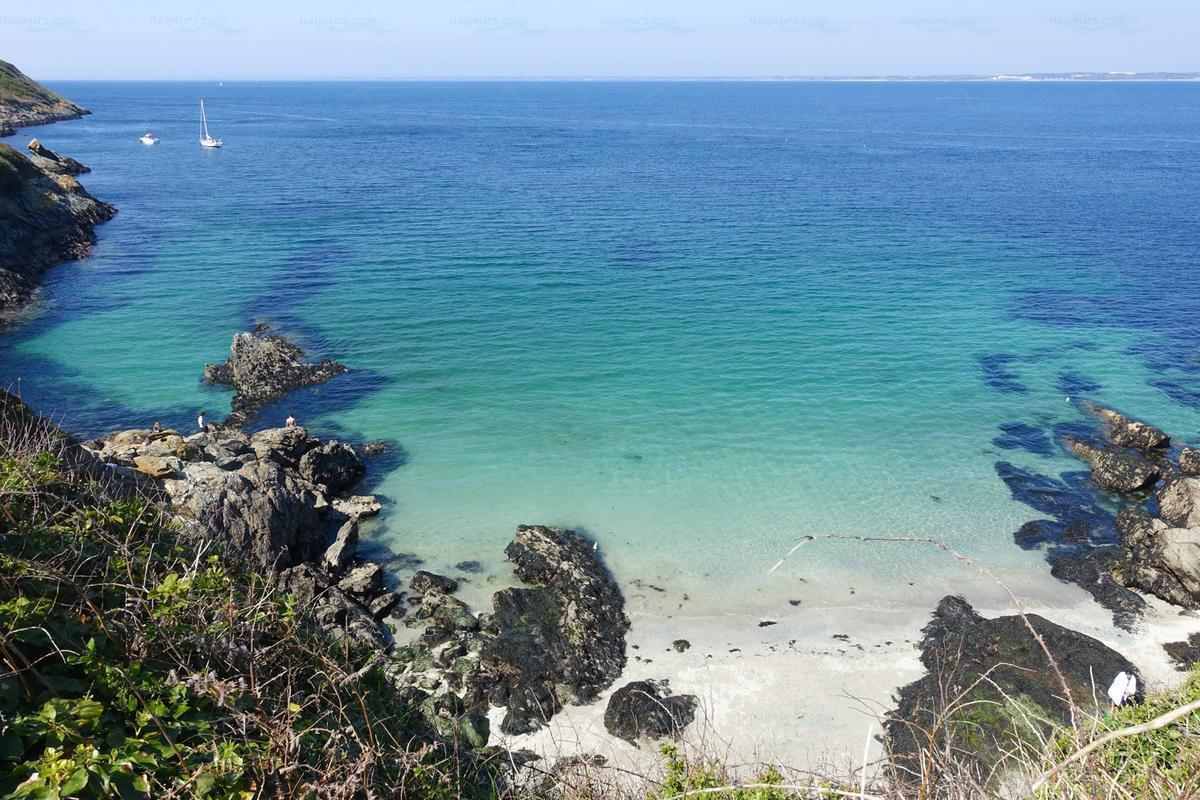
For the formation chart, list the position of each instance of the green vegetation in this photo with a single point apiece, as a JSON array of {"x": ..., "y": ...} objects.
[
  {"x": 18, "y": 88},
  {"x": 137, "y": 663},
  {"x": 15, "y": 170}
]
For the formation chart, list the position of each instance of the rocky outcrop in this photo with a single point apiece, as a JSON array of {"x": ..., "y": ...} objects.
[
  {"x": 1117, "y": 469},
  {"x": 955, "y": 705},
  {"x": 1101, "y": 573},
  {"x": 648, "y": 710},
  {"x": 1185, "y": 654},
  {"x": 250, "y": 493},
  {"x": 47, "y": 160},
  {"x": 25, "y": 102},
  {"x": 559, "y": 641},
  {"x": 45, "y": 219},
  {"x": 564, "y": 639},
  {"x": 1125, "y": 431},
  {"x": 1189, "y": 461},
  {"x": 333, "y": 465},
  {"x": 1179, "y": 502},
  {"x": 262, "y": 367},
  {"x": 1163, "y": 561}
]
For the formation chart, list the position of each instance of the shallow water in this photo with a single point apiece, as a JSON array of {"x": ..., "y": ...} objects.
[{"x": 695, "y": 320}]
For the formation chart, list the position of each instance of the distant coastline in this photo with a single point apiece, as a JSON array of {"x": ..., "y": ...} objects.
[{"x": 1013, "y": 77}]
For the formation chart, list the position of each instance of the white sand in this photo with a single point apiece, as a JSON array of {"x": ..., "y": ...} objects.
[{"x": 791, "y": 693}]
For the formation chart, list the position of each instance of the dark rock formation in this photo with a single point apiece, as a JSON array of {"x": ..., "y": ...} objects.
[
  {"x": 334, "y": 465},
  {"x": 1163, "y": 561},
  {"x": 958, "y": 648},
  {"x": 1125, "y": 431},
  {"x": 262, "y": 367},
  {"x": 47, "y": 160},
  {"x": 648, "y": 710},
  {"x": 681, "y": 645},
  {"x": 45, "y": 219},
  {"x": 1099, "y": 572},
  {"x": 1185, "y": 654},
  {"x": 1117, "y": 469},
  {"x": 426, "y": 583},
  {"x": 565, "y": 638},
  {"x": 1189, "y": 461}
]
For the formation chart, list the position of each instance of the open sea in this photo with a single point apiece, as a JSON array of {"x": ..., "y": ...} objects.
[{"x": 696, "y": 320}]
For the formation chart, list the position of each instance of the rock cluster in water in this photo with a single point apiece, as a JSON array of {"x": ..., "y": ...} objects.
[{"x": 263, "y": 367}]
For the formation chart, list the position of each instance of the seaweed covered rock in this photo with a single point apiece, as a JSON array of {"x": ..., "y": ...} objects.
[
  {"x": 1117, "y": 469},
  {"x": 1189, "y": 461},
  {"x": 648, "y": 710},
  {"x": 262, "y": 367},
  {"x": 988, "y": 681},
  {"x": 1100, "y": 572},
  {"x": 1125, "y": 431}
]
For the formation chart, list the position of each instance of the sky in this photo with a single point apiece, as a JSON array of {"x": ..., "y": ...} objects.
[{"x": 319, "y": 39}]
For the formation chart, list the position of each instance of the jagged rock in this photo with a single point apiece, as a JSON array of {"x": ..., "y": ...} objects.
[
  {"x": 382, "y": 605},
  {"x": 45, "y": 219},
  {"x": 261, "y": 510},
  {"x": 365, "y": 579},
  {"x": 340, "y": 555},
  {"x": 46, "y": 159},
  {"x": 1096, "y": 571},
  {"x": 1179, "y": 502},
  {"x": 1185, "y": 654},
  {"x": 426, "y": 582},
  {"x": 1164, "y": 561},
  {"x": 447, "y": 612},
  {"x": 1125, "y": 431},
  {"x": 284, "y": 445},
  {"x": 1189, "y": 461},
  {"x": 357, "y": 506},
  {"x": 1117, "y": 469},
  {"x": 648, "y": 710},
  {"x": 374, "y": 449},
  {"x": 333, "y": 465},
  {"x": 332, "y": 609},
  {"x": 681, "y": 645},
  {"x": 958, "y": 647},
  {"x": 262, "y": 367},
  {"x": 157, "y": 466}
]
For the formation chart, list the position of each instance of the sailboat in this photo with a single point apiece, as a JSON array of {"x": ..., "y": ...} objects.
[{"x": 206, "y": 140}]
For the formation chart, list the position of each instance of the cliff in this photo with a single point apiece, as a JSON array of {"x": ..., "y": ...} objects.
[
  {"x": 45, "y": 218},
  {"x": 25, "y": 102}
]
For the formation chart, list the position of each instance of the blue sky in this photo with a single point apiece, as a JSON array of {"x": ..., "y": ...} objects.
[{"x": 223, "y": 39}]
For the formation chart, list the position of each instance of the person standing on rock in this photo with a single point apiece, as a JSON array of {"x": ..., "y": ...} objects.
[
  {"x": 202, "y": 423},
  {"x": 291, "y": 420}
]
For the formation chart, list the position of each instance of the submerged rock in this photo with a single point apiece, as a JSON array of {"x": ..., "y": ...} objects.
[
  {"x": 1125, "y": 431},
  {"x": 427, "y": 582},
  {"x": 262, "y": 367},
  {"x": 959, "y": 648},
  {"x": 648, "y": 710},
  {"x": 1117, "y": 469}
]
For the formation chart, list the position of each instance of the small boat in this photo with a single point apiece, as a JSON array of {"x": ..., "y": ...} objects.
[
  {"x": 206, "y": 140},
  {"x": 149, "y": 138}
]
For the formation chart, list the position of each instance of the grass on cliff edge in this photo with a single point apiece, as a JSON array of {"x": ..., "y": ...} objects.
[
  {"x": 18, "y": 88},
  {"x": 136, "y": 664}
]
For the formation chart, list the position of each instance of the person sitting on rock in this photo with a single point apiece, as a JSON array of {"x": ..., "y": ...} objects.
[
  {"x": 291, "y": 420},
  {"x": 158, "y": 427},
  {"x": 202, "y": 423}
]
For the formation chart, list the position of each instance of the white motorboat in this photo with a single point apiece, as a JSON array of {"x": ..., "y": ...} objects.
[
  {"x": 206, "y": 139},
  {"x": 149, "y": 138}
]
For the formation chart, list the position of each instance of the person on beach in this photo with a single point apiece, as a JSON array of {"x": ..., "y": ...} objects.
[
  {"x": 291, "y": 421},
  {"x": 202, "y": 423}
]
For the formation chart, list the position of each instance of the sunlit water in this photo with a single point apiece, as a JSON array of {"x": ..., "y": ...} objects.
[{"x": 695, "y": 320}]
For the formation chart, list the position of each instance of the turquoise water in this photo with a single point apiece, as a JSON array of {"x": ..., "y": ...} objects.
[{"x": 695, "y": 320}]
